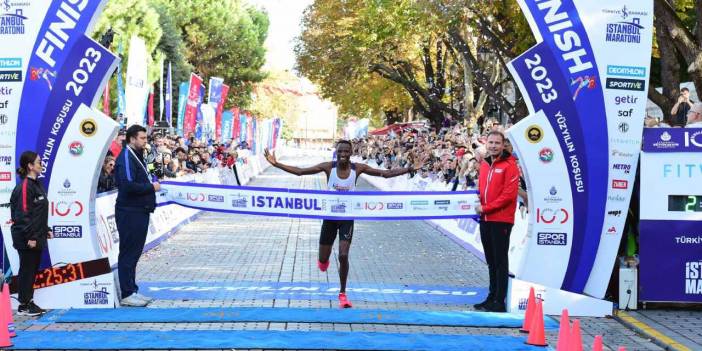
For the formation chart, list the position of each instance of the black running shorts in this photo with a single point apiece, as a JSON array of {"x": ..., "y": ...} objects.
[{"x": 331, "y": 227}]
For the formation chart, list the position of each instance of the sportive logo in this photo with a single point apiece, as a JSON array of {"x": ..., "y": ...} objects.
[
  {"x": 549, "y": 215},
  {"x": 394, "y": 205},
  {"x": 5, "y": 176},
  {"x": 620, "y": 184},
  {"x": 88, "y": 127},
  {"x": 626, "y": 84},
  {"x": 558, "y": 239},
  {"x": 546, "y": 155},
  {"x": 614, "y": 213},
  {"x": 623, "y": 127},
  {"x": 534, "y": 134},
  {"x": 693, "y": 277},
  {"x": 76, "y": 148},
  {"x": 622, "y": 167},
  {"x": 67, "y": 231},
  {"x": 442, "y": 202},
  {"x": 624, "y": 31},
  {"x": 215, "y": 198},
  {"x": 625, "y": 100},
  {"x": 66, "y": 208},
  {"x": 626, "y": 71},
  {"x": 10, "y": 76}
]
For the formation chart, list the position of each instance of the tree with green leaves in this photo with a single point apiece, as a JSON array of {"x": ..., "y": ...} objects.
[{"x": 677, "y": 51}]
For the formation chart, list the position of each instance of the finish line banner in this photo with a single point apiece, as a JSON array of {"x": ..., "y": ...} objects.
[{"x": 296, "y": 203}]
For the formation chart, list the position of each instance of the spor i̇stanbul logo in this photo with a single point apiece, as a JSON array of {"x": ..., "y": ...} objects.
[{"x": 546, "y": 155}]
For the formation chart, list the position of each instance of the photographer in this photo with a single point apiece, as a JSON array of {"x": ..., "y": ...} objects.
[{"x": 681, "y": 108}]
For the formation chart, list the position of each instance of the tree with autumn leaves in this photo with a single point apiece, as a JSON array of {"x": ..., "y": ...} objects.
[{"x": 448, "y": 57}]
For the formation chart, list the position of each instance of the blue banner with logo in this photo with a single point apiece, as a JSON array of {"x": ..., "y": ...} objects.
[
  {"x": 227, "y": 120},
  {"x": 200, "y": 120},
  {"x": 182, "y": 100},
  {"x": 672, "y": 140},
  {"x": 64, "y": 25},
  {"x": 121, "y": 99}
]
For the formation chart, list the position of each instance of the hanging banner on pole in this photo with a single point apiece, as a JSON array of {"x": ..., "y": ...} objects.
[
  {"x": 191, "y": 105},
  {"x": 169, "y": 98},
  {"x": 182, "y": 103},
  {"x": 137, "y": 89}
]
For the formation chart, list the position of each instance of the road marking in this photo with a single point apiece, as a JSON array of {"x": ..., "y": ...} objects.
[{"x": 651, "y": 332}]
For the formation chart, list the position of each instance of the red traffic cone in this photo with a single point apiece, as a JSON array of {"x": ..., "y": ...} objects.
[
  {"x": 7, "y": 309},
  {"x": 597, "y": 345},
  {"x": 531, "y": 302},
  {"x": 536, "y": 330},
  {"x": 576, "y": 339},
  {"x": 563, "y": 332},
  {"x": 4, "y": 333}
]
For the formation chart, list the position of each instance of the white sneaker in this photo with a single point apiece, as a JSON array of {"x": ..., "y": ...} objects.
[
  {"x": 143, "y": 297},
  {"x": 133, "y": 301}
]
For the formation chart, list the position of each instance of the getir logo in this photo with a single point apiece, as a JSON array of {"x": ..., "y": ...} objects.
[{"x": 693, "y": 278}]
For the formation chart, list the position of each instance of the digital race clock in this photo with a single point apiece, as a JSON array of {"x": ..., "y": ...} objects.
[
  {"x": 685, "y": 203},
  {"x": 66, "y": 274}
]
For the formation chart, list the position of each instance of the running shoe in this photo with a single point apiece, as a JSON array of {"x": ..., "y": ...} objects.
[
  {"x": 344, "y": 301},
  {"x": 322, "y": 266}
]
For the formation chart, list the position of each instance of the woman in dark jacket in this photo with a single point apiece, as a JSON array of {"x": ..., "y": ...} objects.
[{"x": 30, "y": 228}]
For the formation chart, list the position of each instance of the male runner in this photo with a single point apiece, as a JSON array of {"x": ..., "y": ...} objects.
[{"x": 341, "y": 176}]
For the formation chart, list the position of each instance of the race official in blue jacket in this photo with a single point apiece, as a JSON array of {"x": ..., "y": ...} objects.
[{"x": 136, "y": 200}]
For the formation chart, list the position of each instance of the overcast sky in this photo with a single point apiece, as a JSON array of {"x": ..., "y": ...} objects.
[{"x": 285, "y": 16}]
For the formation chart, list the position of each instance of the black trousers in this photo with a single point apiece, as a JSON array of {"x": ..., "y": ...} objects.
[
  {"x": 29, "y": 264},
  {"x": 495, "y": 239},
  {"x": 132, "y": 227},
  {"x": 236, "y": 174}
]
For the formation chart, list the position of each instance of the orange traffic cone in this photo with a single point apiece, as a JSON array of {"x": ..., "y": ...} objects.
[
  {"x": 531, "y": 304},
  {"x": 7, "y": 309},
  {"x": 4, "y": 333},
  {"x": 563, "y": 332},
  {"x": 536, "y": 330},
  {"x": 597, "y": 345},
  {"x": 576, "y": 339}
]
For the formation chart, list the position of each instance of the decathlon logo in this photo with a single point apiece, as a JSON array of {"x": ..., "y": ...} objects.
[
  {"x": 557, "y": 239},
  {"x": 550, "y": 216},
  {"x": 626, "y": 71},
  {"x": 67, "y": 231},
  {"x": 693, "y": 278},
  {"x": 66, "y": 208}
]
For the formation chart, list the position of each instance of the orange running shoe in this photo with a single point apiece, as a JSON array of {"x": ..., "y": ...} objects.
[{"x": 344, "y": 301}]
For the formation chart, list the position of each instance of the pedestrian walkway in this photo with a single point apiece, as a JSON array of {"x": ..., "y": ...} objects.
[{"x": 220, "y": 250}]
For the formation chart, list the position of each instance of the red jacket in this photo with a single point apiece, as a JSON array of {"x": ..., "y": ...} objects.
[{"x": 498, "y": 185}]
